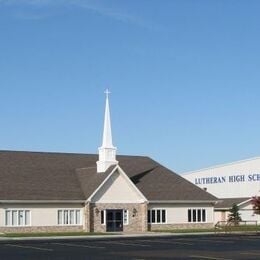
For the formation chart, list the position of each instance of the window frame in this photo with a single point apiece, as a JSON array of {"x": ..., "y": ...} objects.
[
  {"x": 155, "y": 210},
  {"x": 198, "y": 213},
  {"x": 68, "y": 211},
  {"x": 9, "y": 223},
  {"x": 125, "y": 213},
  {"x": 104, "y": 219}
]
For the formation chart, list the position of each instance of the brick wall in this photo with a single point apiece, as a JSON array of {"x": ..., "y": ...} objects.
[
  {"x": 154, "y": 227},
  {"x": 136, "y": 222},
  {"x": 41, "y": 229}
]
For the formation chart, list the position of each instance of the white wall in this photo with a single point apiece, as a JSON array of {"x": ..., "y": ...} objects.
[
  {"x": 178, "y": 213},
  {"x": 245, "y": 210},
  {"x": 117, "y": 190},
  {"x": 234, "y": 180},
  {"x": 41, "y": 214}
]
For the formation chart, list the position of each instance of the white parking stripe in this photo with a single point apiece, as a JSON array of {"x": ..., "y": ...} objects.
[
  {"x": 208, "y": 257},
  {"x": 168, "y": 242},
  {"x": 78, "y": 245},
  {"x": 30, "y": 247},
  {"x": 215, "y": 241},
  {"x": 124, "y": 244},
  {"x": 250, "y": 253}
]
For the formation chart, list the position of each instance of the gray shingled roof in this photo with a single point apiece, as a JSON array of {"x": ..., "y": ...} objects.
[
  {"x": 66, "y": 176},
  {"x": 227, "y": 203}
]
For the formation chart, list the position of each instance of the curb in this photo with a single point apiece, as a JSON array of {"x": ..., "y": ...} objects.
[{"x": 101, "y": 237}]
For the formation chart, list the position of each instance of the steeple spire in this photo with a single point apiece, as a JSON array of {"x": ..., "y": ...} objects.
[
  {"x": 107, "y": 133},
  {"x": 107, "y": 152}
]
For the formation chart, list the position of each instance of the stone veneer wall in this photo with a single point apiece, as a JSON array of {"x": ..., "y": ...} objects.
[
  {"x": 41, "y": 229},
  {"x": 154, "y": 227},
  {"x": 137, "y": 223}
]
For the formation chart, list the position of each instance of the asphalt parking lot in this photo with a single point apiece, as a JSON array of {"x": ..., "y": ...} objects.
[{"x": 174, "y": 247}]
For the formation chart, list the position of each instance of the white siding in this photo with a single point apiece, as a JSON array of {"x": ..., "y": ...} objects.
[
  {"x": 117, "y": 190},
  {"x": 178, "y": 213},
  {"x": 41, "y": 214},
  {"x": 241, "y": 187}
]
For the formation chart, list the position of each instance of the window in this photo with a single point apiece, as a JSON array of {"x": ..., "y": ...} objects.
[
  {"x": 69, "y": 217},
  {"x": 196, "y": 215},
  {"x": 156, "y": 216},
  {"x": 17, "y": 217},
  {"x": 125, "y": 217}
]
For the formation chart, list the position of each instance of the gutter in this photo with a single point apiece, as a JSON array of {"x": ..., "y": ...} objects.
[{"x": 41, "y": 201}]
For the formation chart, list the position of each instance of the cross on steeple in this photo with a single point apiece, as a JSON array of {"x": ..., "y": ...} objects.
[
  {"x": 107, "y": 92},
  {"x": 107, "y": 152}
]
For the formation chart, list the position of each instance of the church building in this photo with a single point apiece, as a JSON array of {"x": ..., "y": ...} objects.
[{"x": 41, "y": 191}]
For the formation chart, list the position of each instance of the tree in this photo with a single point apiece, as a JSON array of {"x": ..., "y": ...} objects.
[
  {"x": 256, "y": 204},
  {"x": 234, "y": 215}
]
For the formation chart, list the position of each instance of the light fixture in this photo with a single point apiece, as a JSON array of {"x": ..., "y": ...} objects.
[{"x": 134, "y": 212}]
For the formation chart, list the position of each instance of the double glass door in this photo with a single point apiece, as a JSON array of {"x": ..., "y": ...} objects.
[{"x": 114, "y": 220}]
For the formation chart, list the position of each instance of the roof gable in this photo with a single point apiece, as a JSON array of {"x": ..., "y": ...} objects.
[{"x": 117, "y": 188}]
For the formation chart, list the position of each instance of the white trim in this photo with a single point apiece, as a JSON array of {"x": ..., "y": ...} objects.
[
  {"x": 155, "y": 209},
  {"x": 62, "y": 217},
  {"x": 201, "y": 217},
  {"x": 184, "y": 201},
  {"x": 221, "y": 165},
  {"x": 125, "y": 223},
  {"x": 105, "y": 217},
  {"x": 17, "y": 218},
  {"x": 42, "y": 201},
  {"x": 244, "y": 202},
  {"x": 117, "y": 167}
]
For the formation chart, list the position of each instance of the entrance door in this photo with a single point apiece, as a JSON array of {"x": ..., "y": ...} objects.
[{"x": 114, "y": 218}]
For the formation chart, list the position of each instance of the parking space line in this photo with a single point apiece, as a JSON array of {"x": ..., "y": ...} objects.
[
  {"x": 168, "y": 242},
  {"x": 78, "y": 245},
  {"x": 208, "y": 257},
  {"x": 250, "y": 253},
  {"x": 216, "y": 241},
  {"x": 124, "y": 244},
  {"x": 30, "y": 247}
]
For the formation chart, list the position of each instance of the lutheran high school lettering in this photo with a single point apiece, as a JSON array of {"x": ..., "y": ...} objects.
[{"x": 232, "y": 178}]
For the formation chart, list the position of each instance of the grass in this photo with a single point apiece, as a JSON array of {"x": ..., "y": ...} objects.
[{"x": 52, "y": 234}]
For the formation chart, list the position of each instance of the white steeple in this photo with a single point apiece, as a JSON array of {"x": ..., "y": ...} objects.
[{"x": 107, "y": 152}]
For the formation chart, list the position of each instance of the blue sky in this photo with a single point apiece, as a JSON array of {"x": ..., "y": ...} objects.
[{"x": 184, "y": 77}]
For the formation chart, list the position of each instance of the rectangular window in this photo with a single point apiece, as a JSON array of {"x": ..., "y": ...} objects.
[
  {"x": 68, "y": 217},
  {"x": 27, "y": 217},
  {"x": 78, "y": 220},
  {"x": 17, "y": 218},
  {"x": 189, "y": 215},
  {"x": 72, "y": 217},
  {"x": 196, "y": 215},
  {"x": 153, "y": 216},
  {"x": 125, "y": 217},
  {"x": 8, "y": 218},
  {"x": 204, "y": 215},
  {"x": 199, "y": 215},
  {"x": 156, "y": 216},
  {"x": 163, "y": 216},
  {"x": 102, "y": 217},
  {"x": 14, "y": 218}
]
